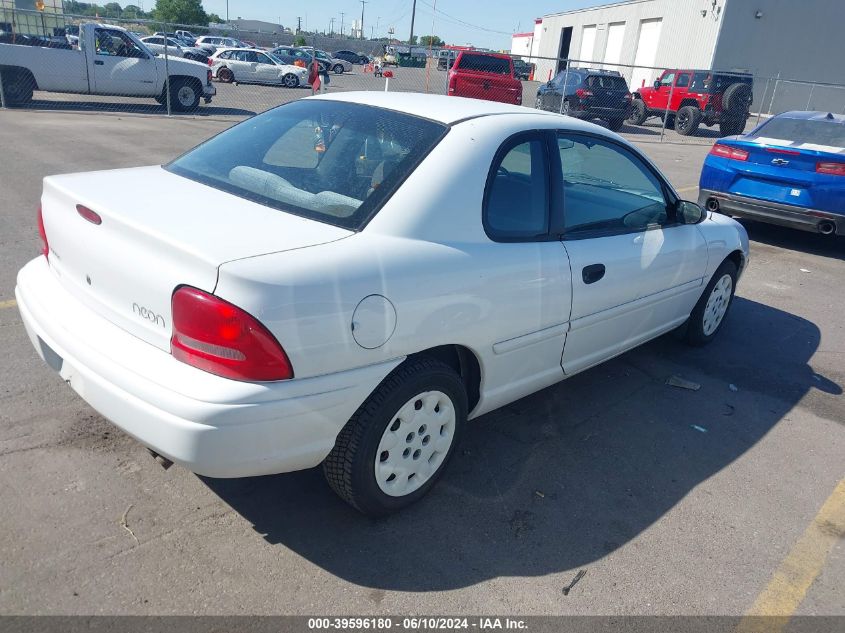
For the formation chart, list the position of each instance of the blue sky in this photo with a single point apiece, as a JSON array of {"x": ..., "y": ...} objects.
[{"x": 484, "y": 23}]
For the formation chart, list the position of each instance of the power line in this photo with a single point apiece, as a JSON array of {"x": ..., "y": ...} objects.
[{"x": 462, "y": 22}]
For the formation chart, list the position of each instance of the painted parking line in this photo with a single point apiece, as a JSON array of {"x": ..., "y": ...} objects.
[
  {"x": 11, "y": 303},
  {"x": 690, "y": 188},
  {"x": 799, "y": 569}
]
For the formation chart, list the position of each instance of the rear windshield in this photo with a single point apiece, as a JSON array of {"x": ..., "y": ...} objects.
[
  {"x": 485, "y": 64},
  {"x": 609, "y": 82},
  {"x": 329, "y": 161},
  {"x": 801, "y": 131}
]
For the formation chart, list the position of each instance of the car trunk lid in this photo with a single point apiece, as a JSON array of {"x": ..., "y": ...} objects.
[{"x": 157, "y": 231}]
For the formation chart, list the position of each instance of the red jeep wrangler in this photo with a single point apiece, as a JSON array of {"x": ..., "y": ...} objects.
[
  {"x": 697, "y": 96},
  {"x": 489, "y": 76}
]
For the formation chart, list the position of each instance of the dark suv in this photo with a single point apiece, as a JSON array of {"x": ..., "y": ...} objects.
[
  {"x": 693, "y": 97},
  {"x": 587, "y": 93}
]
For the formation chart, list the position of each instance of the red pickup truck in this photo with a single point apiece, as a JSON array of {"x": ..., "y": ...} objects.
[{"x": 486, "y": 76}]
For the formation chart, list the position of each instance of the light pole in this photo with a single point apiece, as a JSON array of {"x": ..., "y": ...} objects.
[
  {"x": 364, "y": 2},
  {"x": 341, "y": 23}
]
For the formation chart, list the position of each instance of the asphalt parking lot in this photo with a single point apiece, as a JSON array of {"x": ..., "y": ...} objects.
[{"x": 673, "y": 501}]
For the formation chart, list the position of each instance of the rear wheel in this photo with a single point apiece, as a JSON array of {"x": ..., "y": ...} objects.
[
  {"x": 396, "y": 446},
  {"x": 538, "y": 103},
  {"x": 687, "y": 120},
  {"x": 615, "y": 124},
  {"x": 709, "y": 313},
  {"x": 638, "y": 113},
  {"x": 731, "y": 125},
  {"x": 18, "y": 87},
  {"x": 338, "y": 69},
  {"x": 225, "y": 75}
]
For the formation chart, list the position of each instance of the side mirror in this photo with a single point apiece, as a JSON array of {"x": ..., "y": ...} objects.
[
  {"x": 656, "y": 84},
  {"x": 689, "y": 212}
]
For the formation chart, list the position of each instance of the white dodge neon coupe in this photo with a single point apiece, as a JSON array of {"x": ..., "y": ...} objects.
[{"x": 346, "y": 279}]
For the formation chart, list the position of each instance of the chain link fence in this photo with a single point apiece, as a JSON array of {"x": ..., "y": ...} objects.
[{"x": 84, "y": 65}]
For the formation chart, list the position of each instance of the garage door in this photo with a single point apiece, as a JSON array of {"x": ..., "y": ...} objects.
[
  {"x": 646, "y": 52},
  {"x": 613, "y": 49},
  {"x": 588, "y": 44}
]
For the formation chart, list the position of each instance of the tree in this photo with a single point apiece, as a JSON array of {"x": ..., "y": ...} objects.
[
  {"x": 213, "y": 18},
  {"x": 413, "y": 40},
  {"x": 112, "y": 9},
  {"x": 431, "y": 40},
  {"x": 299, "y": 41},
  {"x": 181, "y": 12}
]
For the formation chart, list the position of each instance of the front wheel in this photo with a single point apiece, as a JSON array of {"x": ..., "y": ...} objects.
[
  {"x": 184, "y": 95},
  {"x": 290, "y": 81},
  {"x": 538, "y": 103},
  {"x": 396, "y": 446},
  {"x": 638, "y": 113},
  {"x": 709, "y": 313},
  {"x": 687, "y": 120},
  {"x": 338, "y": 69}
]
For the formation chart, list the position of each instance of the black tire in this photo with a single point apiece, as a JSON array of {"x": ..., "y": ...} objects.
[
  {"x": 731, "y": 125},
  {"x": 638, "y": 113},
  {"x": 290, "y": 81},
  {"x": 225, "y": 75},
  {"x": 615, "y": 124},
  {"x": 350, "y": 467},
  {"x": 337, "y": 69},
  {"x": 687, "y": 120},
  {"x": 18, "y": 87},
  {"x": 696, "y": 331},
  {"x": 185, "y": 94},
  {"x": 538, "y": 103},
  {"x": 566, "y": 108},
  {"x": 737, "y": 98}
]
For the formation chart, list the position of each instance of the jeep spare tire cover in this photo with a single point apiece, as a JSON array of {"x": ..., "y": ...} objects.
[{"x": 737, "y": 97}]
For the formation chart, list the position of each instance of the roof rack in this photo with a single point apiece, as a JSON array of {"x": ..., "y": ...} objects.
[{"x": 604, "y": 71}]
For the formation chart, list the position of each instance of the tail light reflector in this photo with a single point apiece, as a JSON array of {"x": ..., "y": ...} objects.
[
  {"x": 220, "y": 338},
  {"x": 725, "y": 151},
  {"x": 92, "y": 216},
  {"x": 581, "y": 93},
  {"x": 45, "y": 246},
  {"x": 832, "y": 169}
]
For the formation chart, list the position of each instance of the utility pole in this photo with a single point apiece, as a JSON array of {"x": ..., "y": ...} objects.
[
  {"x": 227, "y": 12},
  {"x": 341, "y": 22},
  {"x": 331, "y": 27},
  {"x": 364, "y": 2},
  {"x": 413, "y": 15},
  {"x": 298, "y": 25}
]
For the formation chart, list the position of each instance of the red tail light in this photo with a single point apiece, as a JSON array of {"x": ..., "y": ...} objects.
[
  {"x": 220, "y": 338},
  {"x": 581, "y": 93},
  {"x": 45, "y": 246},
  {"x": 92, "y": 216},
  {"x": 726, "y": 151},
  {"x": 832, "y": 169}
]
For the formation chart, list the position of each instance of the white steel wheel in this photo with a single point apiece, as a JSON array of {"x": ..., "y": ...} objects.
[
  {"x": 717, "y": 304},
  {"x": 710, "y": 312},
  {"x": 397, "y": 444},
  {"x": 415, "y": 443},
  {"x": 186, "y": 96}
]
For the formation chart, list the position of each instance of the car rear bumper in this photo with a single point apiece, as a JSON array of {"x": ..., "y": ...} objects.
[
  {"x": 211, "y": 425},
  {"x": 595, "y": 112},
  {"x": 773, "y": 212},
  {"x": 208, "y": 91}
]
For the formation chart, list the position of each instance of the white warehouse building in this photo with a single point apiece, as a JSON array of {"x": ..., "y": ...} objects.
[{"x": 786, "y": 44}]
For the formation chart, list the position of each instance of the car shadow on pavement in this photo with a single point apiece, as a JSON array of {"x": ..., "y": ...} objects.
[
  {"x": 832, "y": 246},
  {"x": 132, "y": 108},
  {"x": 561, "y": 478}
]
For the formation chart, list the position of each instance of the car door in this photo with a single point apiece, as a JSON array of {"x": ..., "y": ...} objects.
[
  {"x": 240, "y": 63},
  {"x": 527, "y": 269},
  {"x": 266, "y": 70},
  {"x": 660, "y": 96},
  {"x": 120, "y": 67},
  {"x": 637, "y": 271}
]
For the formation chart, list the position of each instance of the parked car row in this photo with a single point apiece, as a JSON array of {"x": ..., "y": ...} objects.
[{"x": 247, "y": 65}]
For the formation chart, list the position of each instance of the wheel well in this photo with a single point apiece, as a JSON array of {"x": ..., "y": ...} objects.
[
  {"x": 688, "y": 102},
  {"x": 464, "y": 362},
  {"x": 187, "y": 79},
  {"x": 637, "y": 96},
  {"x": 738, "y": 258},
  {"x": 11, "y": 73}
]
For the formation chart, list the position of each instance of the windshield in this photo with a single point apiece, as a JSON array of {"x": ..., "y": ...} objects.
[
  {"x": 275, "y": 59},
  {"x": 829, "y": 134},
  {"x": 329, "y": 161}
]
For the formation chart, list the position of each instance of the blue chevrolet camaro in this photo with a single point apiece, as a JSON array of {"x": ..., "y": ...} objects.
[{"x": 790, "y": 170}]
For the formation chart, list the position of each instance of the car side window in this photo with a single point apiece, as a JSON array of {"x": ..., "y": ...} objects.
[
  {"x": 607, "y": 188},
  {"x": 224, "y": 55},
  {"x": 263, "y": 59},
  {"x": 667, "y": 79},
  {"x": 683, "y": 81},
  {"x": 516, "y": 202}
]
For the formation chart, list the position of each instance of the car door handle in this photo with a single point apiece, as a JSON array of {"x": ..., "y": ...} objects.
[
  {"x": 98, "y": 62},
  {"x": 592, "y": 273}
]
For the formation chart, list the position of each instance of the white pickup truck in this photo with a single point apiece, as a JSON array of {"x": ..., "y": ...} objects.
[{"x": 108, "y": 61}]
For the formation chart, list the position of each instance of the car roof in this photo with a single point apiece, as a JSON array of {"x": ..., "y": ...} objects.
[
  {"x": 812, "y": 115},
  {"x": 440, "y": 108}
]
